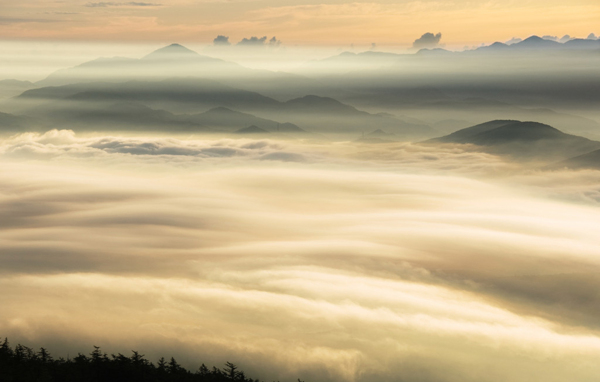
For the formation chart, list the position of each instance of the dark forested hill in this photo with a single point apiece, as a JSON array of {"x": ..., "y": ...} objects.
[{"x": 523, "y": 140}]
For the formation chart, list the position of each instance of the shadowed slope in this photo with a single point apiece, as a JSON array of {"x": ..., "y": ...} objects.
[
  {"x": 190, "y": 96},
  {"x": 225, "y": 118},
  {"x": 522, "y": 140},
  {"x": 252, "y": 130},
  {"x": 463, "y": 135},
  {"x": 586, "y": 161}
]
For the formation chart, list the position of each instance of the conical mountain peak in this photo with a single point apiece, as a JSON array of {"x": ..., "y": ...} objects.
[{"x": 172, "y": 51}]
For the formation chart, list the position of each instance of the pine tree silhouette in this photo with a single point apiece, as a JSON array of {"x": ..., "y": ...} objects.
[{"x": 23, "y": 364}]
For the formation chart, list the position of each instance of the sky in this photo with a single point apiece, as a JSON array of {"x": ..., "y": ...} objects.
[{"x": 295, "y": 22}]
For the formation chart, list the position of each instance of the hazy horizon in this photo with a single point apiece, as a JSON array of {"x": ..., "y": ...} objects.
[{"x": 21, "y": 56}]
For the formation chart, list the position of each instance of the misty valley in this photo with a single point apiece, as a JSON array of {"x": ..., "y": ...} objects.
[{"x": 418, "y": 217}]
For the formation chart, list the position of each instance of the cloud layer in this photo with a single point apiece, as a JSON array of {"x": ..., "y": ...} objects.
[{"x": 349, "y": 262}]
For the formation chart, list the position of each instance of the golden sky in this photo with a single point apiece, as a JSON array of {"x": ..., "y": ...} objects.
[{"x": 303, "y": 22}]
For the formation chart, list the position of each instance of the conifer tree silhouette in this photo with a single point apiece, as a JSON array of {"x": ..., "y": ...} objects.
[{"x": 23, "y": 364}]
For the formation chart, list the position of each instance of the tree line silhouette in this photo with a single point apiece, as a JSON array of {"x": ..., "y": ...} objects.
[{"x": 23, "y": 364}]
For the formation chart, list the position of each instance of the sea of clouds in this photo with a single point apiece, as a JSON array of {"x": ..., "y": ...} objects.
[{"x": 337, "y": 262}]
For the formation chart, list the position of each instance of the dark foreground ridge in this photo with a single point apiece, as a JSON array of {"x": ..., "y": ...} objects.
[{"x": 23, "y": 364}]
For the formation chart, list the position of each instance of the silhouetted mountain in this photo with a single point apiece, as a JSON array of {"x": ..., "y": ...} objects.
[
  {"x": 397, "y": 98},
  {"x": 11, "y": 88},
  {"x": 173, "y": 51},
  {"x": 497, "y": 46},
  {"x": 320, "y": 105},
  {"x": 252, "y": 130},
  {"x": 535, "y": 42},
  {"x": 380, "y": 133},
  {"x": 348, "y": 61},
  {"x": 366, "y": 61},
  {"x": 179, "y": 95},
  {"x": 464, "y": 135},
  {"x": 13, "y": 123},
  {"x": 227, "y": 119},
  {"x": 112, "y": 116},
  {"x": 327, "y": 115},
  {"x": 178, "y": 61},
  {"x": 450, "y": 125},
  {"x": 586, "y": 161},
  {"x": 317, "y": 114},
  {"x": 524, "y": 140},
  {"x": 582, "y": 44},
  {"x": 473, "y": 110},
  {"x": 520, "y": 132},
  {"x": 171, "y": 61},
  {"x": 434, "y": 52},
  {"x": 377, "y": 136}
]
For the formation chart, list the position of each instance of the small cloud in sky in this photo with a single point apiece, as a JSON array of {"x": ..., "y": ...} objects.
[
  {"x": 221, "y": 40},
  {"x": 565, "y": 38},
  {"x": 62, "y": 13},
  {"x": 257, "y": 42},
  {"x": 253, "y": 41},
  {"x": 10, "y": 20},
  {"x": 514, "y": 40},
  {"x": 592, "y": 36},
  {"x": 104, "y": 4},
  {"x": 274, "y": 42},
  {"x": 427, "y": 40},
  {"x": 550, "y": 38}
]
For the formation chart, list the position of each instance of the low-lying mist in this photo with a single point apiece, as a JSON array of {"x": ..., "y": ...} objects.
[{"x": 294, "y": 259}]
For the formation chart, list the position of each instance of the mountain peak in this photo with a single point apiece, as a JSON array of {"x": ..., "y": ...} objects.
[
  {"x": 253, "y": 129},
  {"x": 533, "y": 38},
  {"x": 379, "y": 133},
  {"x": 172, "y": 51},
  {"x": 536, "y": 41}
]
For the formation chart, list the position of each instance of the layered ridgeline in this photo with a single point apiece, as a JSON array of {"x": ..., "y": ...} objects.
[
  {"x": 420, "y": 90},
  {"x": 193, "y": 104},
  {"x": 170, "y": 61},
  {"x": 13, "y": 124},
  {"x": 350, "y": 61},
  {"x": 177, "y": 61},
  {"x": 536, "y": 80},
  {"x": 24, "y": 364},
  {"x": 11, "y": 88},
  {"x": 530, "y": 141}
]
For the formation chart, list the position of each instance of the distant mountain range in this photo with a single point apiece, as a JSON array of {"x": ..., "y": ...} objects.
[
  {"x": 98, "y": 102},
  {"x": 224, "y": 118},
  {"x": 13, "y": 123},
  {"x": 170, "y": 61},
  {"x": 370, "y": 60},
  {"x": 415, "y": 92},
  {"x": 533, "y": 43},
  {"x": 177, "y": 61},
  {"x": 11, "y": 88}
]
